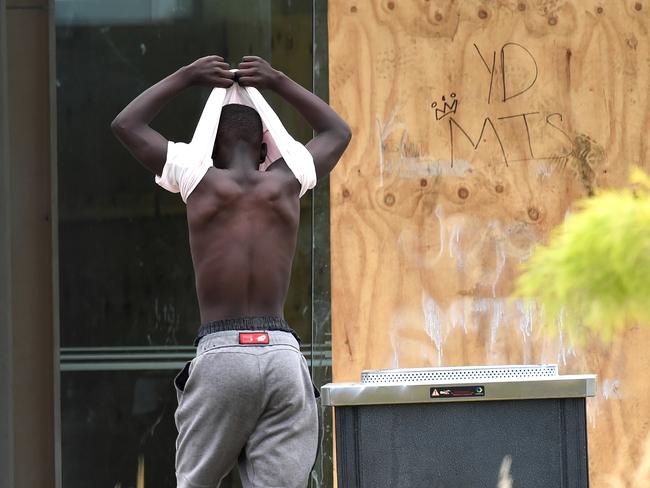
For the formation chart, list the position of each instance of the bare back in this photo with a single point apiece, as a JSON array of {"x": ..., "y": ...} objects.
[
  {"x": 242, "y": 223},
  {"x": 243, "y": 228}
]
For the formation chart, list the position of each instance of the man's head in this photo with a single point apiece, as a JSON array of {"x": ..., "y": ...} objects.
[{"x": 239, "y": 126}]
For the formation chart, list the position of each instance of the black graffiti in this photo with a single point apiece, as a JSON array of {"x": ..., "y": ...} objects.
[
  {"x": 447, "y": 108},
  {"x": 476, "y": 144},
  {"x": 523, "y": 117},
  {"x": 503, "y": 59},
  {"x": 528, "y": 62},
  {"x": 454, "y": 126}
]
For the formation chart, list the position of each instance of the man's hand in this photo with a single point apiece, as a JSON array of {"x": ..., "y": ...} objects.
[
  {"x": 131, "y": 126},
  {"x": 332, "y": 133},
  {"x": 210, "y": 71},
  {"x": 256, "y": 72}
]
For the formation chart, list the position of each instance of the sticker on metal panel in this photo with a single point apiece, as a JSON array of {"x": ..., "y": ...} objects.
[{"x": 456, "y": 391}]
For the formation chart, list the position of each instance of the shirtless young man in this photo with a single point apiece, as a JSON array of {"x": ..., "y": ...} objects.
[{"x": 240, "y": 402}]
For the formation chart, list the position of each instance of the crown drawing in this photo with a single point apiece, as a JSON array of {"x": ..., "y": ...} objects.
[{"x": 447, "y": 108}]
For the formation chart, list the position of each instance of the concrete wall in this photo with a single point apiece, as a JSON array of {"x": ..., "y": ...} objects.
[
  {"x": 6, "y": 425},
  {"x": 27, "y": 359}
]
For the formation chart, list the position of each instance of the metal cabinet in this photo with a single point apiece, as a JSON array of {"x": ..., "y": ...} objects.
[{"x": 462, "y": 427}]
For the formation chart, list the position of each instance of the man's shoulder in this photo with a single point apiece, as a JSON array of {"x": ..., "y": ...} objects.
[
  {"x": 215, "y": 181},
  {"x": 280, "y": 170},
  {"x": 279, "y": 165}
]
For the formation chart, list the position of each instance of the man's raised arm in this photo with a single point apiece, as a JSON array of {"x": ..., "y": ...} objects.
[
  {"x": 131, "y": 126},
  {"x": 332, "y": 133}
]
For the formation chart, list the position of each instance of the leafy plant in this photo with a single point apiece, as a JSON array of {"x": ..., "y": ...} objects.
[{"x": 594, "y": 273}]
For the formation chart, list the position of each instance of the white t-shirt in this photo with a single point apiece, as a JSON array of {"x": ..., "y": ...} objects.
[{"x": 187, "y": 164}]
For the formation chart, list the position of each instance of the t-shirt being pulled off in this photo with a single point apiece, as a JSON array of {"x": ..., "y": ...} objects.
[{"x": 187, "y": 164}]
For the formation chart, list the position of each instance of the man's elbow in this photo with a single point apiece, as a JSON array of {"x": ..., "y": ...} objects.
[
  {"x": 344, "y": 135},
  {"x": 121, "y": 127},
  {"x": 117, "y": 126}
]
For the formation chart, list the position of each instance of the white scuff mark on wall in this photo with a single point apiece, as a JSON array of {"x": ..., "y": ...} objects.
[
  {"x": 453, "y": 240},
  {"x": 424, "y": 354},
  {"x": 469, "y": 313},
  {"x": 397, "y": 161},
  {"x": 394, "y": 342},
  {"x": 455, "y": 250},
  {"x": 500, "y": 250},
  {"x": 526, "y": 255},
  {"x": 571, "y": 351},
  {"x": 480, "y": 305},
  {"x": 420, "y": 167},
  {"x": 399, "y": 335},
  {"x": 440, "y": 214},
  {"x": 469, "y": 240},
  {"x": 544, "y": 170},
  {"x": 565, "y": 346},
  {"x": 610, "y": 388},
  {"x": 510, "y": 244},
  {"x": 495, "y": 321},
  {"x": 402, "y": 145},
  {"x": 501, "y": 263},
  {"x": 499, "y": 317},
  {"x": 383, "y": 133},
  {"x": 526, "y": 323},
  {"x": 433, "y": 320},
  {"x": 457, "y": 315}
]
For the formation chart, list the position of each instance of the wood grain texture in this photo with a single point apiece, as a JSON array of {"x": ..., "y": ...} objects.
[{"x": 437, "y": 201}]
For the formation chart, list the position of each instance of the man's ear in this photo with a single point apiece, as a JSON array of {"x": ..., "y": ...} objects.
[{"x": 262, "y": 152}]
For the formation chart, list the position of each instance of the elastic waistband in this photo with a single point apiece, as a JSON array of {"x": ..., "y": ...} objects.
[
  {"x": 245, "y": 324},
  {"x": 229, "y": 338}
]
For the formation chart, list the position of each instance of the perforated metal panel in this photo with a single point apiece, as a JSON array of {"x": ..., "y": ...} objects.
[
  {"x": 470, "y": 373},
  {"x": 392, "y": 424},
  {"x": 463, "y": 445}
]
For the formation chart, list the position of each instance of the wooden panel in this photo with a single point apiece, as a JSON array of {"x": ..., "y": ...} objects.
[{"x": 476, "y": 126}]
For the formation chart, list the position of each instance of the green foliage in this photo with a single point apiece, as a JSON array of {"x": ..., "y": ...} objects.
[{"x": 595, "y": 270}]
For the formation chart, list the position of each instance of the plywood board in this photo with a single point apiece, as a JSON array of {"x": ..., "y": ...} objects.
[{"x": 476, "y": 127}]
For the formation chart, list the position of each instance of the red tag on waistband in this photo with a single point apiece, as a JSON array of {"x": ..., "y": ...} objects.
[{"x": 253, "y": 338}]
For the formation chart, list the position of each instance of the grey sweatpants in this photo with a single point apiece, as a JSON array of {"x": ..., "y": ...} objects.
[{"x": 252, "y": 404}]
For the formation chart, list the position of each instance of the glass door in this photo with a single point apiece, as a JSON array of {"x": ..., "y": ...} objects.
[{"x": 128, "y": 311}]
